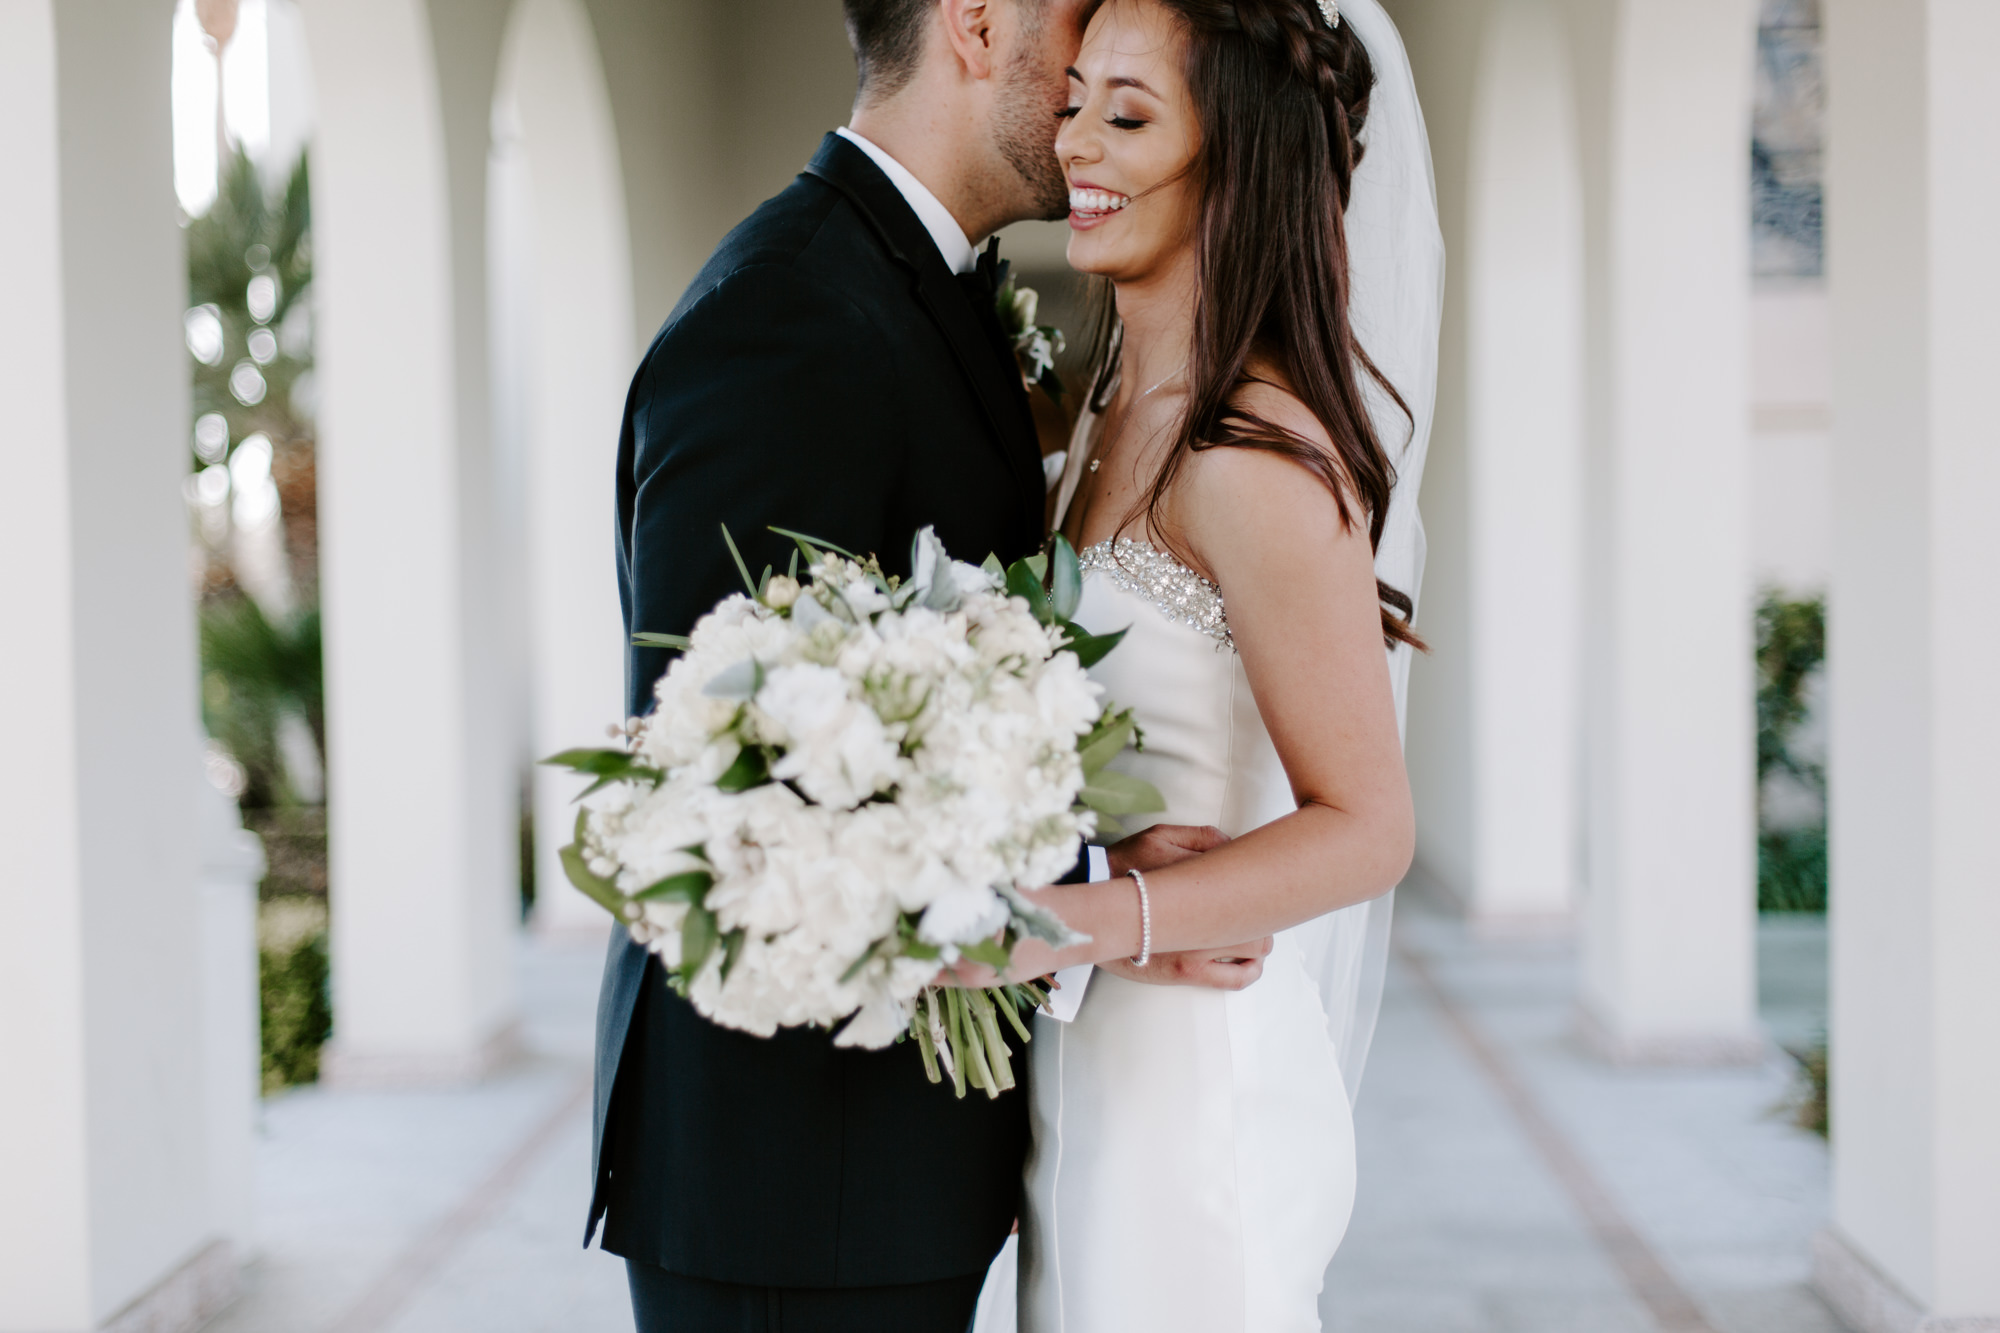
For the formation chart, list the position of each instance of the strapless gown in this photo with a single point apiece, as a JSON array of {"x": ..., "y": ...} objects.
[{"x": 1192, "y": 1169}]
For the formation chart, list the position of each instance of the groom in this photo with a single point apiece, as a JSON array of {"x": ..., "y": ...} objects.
[{"x": 837, "y": 369}]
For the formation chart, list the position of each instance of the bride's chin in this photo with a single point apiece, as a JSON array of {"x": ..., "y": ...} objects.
[{"x": 1086, "y": 257}]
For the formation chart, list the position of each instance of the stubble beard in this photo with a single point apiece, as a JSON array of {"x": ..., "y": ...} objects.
[{"x": 1025, "y": 131}]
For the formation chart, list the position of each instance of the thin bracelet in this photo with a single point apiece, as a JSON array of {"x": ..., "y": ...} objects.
[{"x": 1145, "y": 954}]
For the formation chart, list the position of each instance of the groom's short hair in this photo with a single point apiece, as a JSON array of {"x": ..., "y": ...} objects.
[{"x": 888, "y": 40}]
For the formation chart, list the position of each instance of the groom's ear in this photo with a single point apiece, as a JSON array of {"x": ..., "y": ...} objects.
[{"x": 968, "y": 27}]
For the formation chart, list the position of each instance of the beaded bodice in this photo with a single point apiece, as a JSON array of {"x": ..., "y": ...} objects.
[{"x": 1175, "y": 591}]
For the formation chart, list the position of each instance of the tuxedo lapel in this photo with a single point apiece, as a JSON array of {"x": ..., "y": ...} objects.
[{"x": 986, "y": 362}]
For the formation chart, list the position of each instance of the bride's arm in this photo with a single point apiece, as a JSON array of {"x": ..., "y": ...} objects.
[{"x": 1299, "y": 589}]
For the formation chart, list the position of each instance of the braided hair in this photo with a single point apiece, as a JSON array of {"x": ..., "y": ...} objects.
[{"x": 1280, "y": 97}]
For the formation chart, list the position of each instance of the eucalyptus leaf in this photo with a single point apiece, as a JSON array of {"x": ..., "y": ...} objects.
[
  {"x": 689, "y": 886},
  {"x": 1065, "y": 578},
  {"x": 699, "y": 937},
  {"x": 1106, "y": 745},
  {"x": 739, "y": 682},
  {"x": 732, "y": 949},
  {"x": 587, "y": 881},
  {"x": 1038, "y": 922},
  {"x": 1115, "y": 793},
  {"x": 990, "y": 952},
  {"x": 751, "y": 769}
]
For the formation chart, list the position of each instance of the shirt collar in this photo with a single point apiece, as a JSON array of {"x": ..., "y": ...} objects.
[{"x": 958, "y": 252}]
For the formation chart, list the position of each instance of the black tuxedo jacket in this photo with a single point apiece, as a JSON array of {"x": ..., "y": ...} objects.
[{"x": 825, "y": 373}]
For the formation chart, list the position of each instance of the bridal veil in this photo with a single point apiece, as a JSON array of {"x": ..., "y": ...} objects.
[{"x": 1395, "y": 259}]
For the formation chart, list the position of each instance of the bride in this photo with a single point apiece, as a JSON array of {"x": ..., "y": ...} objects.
[{"x": 1230, "y": 487}]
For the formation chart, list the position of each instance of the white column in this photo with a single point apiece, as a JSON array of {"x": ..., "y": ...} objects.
[
  {"x": 571, "y": 281},
  {"x": 1496, "y": 714},
  {"x": 1669, "y": 913},
  {"x": 1915, "y": 633},
  {"x": 105, "y": 1206},
  {"x": 422, "y": 743}
]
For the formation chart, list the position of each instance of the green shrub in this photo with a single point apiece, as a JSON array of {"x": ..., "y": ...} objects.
[
  {"x": 1791, "y": 869},
  {"x": 292, "y": 982},
  {"x": 1809, "y": 1108},
  {"x": 1791, "y": 646},
  {"x": 253, "y": 672}
]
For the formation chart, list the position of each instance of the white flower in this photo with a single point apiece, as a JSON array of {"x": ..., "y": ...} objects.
[
  {"x": 966, "y": 915},
  {"x": 835, "y": 746}
]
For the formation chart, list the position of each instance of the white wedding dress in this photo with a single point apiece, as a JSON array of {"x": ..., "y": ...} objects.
[
  {"x": 1193, "y": 1157},
  {"x": 1193, "y": 1163}
]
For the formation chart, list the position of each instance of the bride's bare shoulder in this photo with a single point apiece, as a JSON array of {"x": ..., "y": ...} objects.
[{"x": 1237, "y": 495}]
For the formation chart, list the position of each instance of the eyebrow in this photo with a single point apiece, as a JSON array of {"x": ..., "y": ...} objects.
[{"x": 1116, "y": 81}]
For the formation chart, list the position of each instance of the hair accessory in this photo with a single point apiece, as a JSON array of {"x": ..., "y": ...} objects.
[
  {"x": 1145, "y": 954},
  {"x": 1330, "y": 10}
]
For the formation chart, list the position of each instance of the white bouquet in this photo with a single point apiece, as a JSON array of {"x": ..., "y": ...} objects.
[{"x": 843, "y": 789}]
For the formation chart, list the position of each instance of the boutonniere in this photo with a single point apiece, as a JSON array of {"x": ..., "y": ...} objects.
[{"x": 1036, "y": 346}]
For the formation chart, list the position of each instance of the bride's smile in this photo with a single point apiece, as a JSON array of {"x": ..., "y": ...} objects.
[{"x": 1128, "y": 140}]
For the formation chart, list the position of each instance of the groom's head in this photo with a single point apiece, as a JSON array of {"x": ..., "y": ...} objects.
[{"x": 986, "y": 78}]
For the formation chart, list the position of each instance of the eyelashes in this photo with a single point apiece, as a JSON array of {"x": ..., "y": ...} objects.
[{"x": 1115, "y": 122}]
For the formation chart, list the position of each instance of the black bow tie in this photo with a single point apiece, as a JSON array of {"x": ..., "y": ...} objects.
[{"x": 987, "y": 277}]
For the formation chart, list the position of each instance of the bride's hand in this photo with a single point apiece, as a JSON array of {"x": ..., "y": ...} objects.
[{"x": 1233, "y": 968}]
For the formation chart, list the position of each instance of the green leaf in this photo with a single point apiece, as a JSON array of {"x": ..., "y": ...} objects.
[
  {"x": 854, "y": 968},
  {"x": 763, "y": 583},
  {"x": 587, "y": 881},
  {"x": 751, "y": 769},
  {"x": 1065, "y": 578},
  {"x": 679, "y": 642},
  {"x": 1090, "y": 649},
  {"x": 732, "y": 949},
  {"x": 698, "y": 940},
  {"x": 990, "y": 952},
  {"x": 1106, "y": 744},
  {"x": 1038, "y": 922},
  {"x": 739, "y": 681},
  {"x": 991, "y": 564},
  {"x": 749, "y": 584},
  {"x": 1116, "y": 793},
  {"x": 1025, "y": 582},
  {"x": 1038, "y": 564},
  {"x": 792, "y": 570},
  {"x": 814, "y": 544},
  {"x": 689, "y": 887},
  {"x": 607, "y": 766}
]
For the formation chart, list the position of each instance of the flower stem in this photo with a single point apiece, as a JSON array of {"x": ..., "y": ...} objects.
[{"x": 922, "y": 1027}]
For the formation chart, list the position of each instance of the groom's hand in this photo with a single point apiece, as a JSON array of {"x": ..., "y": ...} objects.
[
  {"x": 1232, "y": 968},
  {"x": 1161, "y": 846}
]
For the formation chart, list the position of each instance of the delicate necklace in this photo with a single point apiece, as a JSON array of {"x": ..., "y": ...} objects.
[{"x": 1143, "y": 397}]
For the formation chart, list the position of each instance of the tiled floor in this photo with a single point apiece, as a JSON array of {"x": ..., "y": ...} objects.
[{"x": 456, "y": 1212}]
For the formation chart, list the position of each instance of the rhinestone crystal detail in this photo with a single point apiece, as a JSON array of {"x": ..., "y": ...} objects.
[{"x": 1177, "y": 592}]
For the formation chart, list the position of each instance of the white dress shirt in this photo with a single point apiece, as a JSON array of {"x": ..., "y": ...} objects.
[{"x": 958, "y": 252}]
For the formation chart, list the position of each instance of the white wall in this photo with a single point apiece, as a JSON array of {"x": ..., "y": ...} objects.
[
  {"x": 1495, "y": 711},
  {"x": 567, "y": 278},
  {"x": 422, "y": 746},
  {"x": 1669, "y": 968},
  {"x": 102, "y": 1142},
  {"x": 1914, "y": 632},
  {"x": 1791, "y": 377}
]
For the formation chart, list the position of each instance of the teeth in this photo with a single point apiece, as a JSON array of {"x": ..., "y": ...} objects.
[{"x": 1096, "y": 201}]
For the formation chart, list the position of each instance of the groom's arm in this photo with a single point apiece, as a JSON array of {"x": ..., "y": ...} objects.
[{"x": 768, "y": 402}]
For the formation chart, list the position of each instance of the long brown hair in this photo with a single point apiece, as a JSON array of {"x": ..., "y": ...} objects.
[{"x": 1280, "y": 99}]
